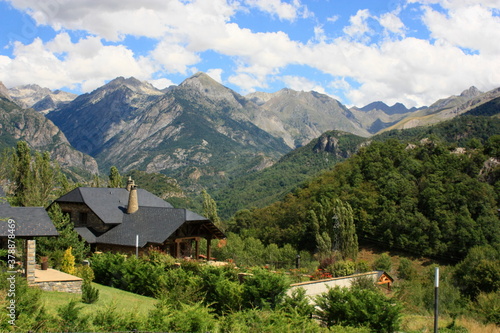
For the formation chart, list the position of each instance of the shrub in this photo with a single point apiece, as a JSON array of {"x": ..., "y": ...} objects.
[
  {"x": 383, "y": 263},
  {"x": 186, "y": 318},
  {"x": 487, "y": 307},
  {"x": 90, "y": 294},
  {"x": 297, "y": 303},
  {"x": 264, "y": 289},
  {"x": 406, "y": 270},
  {"x": 258, "y": 320},
  {"x": 358, "y": 307},
  {"x": 342, "y": 268},
  {"x": 85, "y": 272},
  {"x": 68, "y": 262},
  {"x": 70, "y": 319}
]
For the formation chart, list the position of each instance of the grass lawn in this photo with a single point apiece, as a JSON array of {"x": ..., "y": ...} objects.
[{"x": 123, "y": 300}]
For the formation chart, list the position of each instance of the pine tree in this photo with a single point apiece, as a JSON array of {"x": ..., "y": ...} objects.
[{"x": 115, "y": 179}]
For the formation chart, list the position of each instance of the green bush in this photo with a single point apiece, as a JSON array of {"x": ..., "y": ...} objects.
[
  {"x": 264, "y": 289},
  {"x": 137, "y": 275},
  {"x": 258, "y": 320},
  {"x": 383, "y": 263},
  {"x": 186, "y": 318},
  {"x": 487, "y": 307},
  {"x": 90, "y": 294},
  {"x": 223, "y": 292},
  {"x": 70, "y": 319},
  {"x": 341, "y": 268},
  {"x": 406, "y": 270},
  {"x": 297, "y": 303},
  {"x": 358, "y": 307}
]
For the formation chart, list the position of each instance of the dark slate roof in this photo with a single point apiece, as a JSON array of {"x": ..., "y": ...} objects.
[
  {"x": 30, "y": 221},
  {"x": 152, "y": 224},
  {"x": 110, "y": 204}
]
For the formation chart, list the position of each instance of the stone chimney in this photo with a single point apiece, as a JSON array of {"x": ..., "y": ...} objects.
[
  {"x": 130, "y": 183},
  {"x": 133, "y": 201}
]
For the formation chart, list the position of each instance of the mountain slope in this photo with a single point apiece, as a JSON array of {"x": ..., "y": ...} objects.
[
  {"x": 447, "y": 108},
  {"x": 40, "y": 133},
  {"x": 299, "y": 117},
  {"x": 196, "y": 132},
  {"x": 271, "y": 184}
]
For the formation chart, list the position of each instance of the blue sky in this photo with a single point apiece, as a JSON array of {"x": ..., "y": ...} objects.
[{"x": 357, "y": 51}]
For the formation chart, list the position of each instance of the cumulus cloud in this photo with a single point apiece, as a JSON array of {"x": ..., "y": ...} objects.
[
  {"x": 406, "y": 69},
  {"x": 358, "y": 24},
  {"x": 283, "y": 10},
  {"x": 302, "y": 84},
  {"x": 473, "y": 27}
]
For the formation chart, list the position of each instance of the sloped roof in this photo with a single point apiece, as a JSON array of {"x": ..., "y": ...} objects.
[
  {"x": 110, "y": 204},
  {"x": 154, "y": 222},
  {"x": 30, "y": 221}
]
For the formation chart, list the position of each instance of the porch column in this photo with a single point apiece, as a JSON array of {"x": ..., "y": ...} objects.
[
  {"x": 29, "y": 265},
  {"x": 197, "y": 248},
  {"x": 178, "y": 248},
  {"x": 209, "y": 248}
]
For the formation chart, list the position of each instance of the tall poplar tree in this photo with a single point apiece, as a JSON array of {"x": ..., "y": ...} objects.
[
  {"x": 334, "y": 227},
  {"x": 348, "y": 240},
  {"x": 210, "y": 210},
  {"x": 115, "y": 179}
]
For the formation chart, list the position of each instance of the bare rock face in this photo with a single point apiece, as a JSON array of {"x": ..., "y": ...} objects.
[
  {"x": 41, "y": 134},
  {"x": 299, "y": 117},
  {"x": 199, "y": 124},
  {"x": 40, "y": 99}
]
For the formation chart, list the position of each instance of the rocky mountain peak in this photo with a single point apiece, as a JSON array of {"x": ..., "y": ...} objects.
[
  {"x": 471, "y": 92},
  {"x": 209, "y": 88},
  {"x": 133, "y": 84}
]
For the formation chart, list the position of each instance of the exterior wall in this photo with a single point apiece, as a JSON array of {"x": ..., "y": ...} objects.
[
  {"x": 30, "y": 260},
  {"x": 314, "y": 288},
  {"x": 61, "y": 286},
  {"x": 75, "y": 210}
]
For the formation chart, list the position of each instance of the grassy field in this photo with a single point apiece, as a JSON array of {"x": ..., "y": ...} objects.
[{"x": 123, "y": 300}]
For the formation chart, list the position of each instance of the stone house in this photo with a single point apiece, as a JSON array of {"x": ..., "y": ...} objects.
[{"x": 131, "y": 220}]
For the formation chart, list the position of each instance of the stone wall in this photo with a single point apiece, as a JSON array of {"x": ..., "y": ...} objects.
[
  {"x": 61, "y": 286},
  {"x": 76, "y": 209}
]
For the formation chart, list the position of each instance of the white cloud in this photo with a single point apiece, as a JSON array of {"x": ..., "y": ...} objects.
[
  {"x": 284, "y": 10},
  {"x": 359, "y": 24},
  {"x": 216, "y": 74},
  {"x": 407, "y": 69},
  {"x": 161, "y": 83},
  {"x": 302, "y": 84},
  {"x": 88, "y": 62},
  {"x": 472, "y": 27},
  {"x": 392, "y": 23}
]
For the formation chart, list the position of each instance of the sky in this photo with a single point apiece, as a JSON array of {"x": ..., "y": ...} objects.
[{"x": 357, "y": 51}]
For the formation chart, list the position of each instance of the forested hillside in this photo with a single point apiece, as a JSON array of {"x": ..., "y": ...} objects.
[
  {"x": 261, "y": 188},
  {"x": 425, "y": 197}
]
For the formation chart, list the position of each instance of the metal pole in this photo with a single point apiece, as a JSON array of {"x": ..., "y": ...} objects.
[
  {"x": 436, "y": 298},
  {"x": 137, "y": 246}
]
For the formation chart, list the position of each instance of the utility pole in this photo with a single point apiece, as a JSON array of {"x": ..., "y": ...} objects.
[{"x": 436, "y": 298}]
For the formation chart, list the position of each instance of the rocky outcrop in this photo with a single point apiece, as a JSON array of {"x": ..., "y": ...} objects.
[
  {"x": 41, "y": 134},
  {"x": 38, "y": 98}
]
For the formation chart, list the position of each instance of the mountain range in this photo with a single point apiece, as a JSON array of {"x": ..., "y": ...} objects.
[{"x": 199, "y": 132}]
